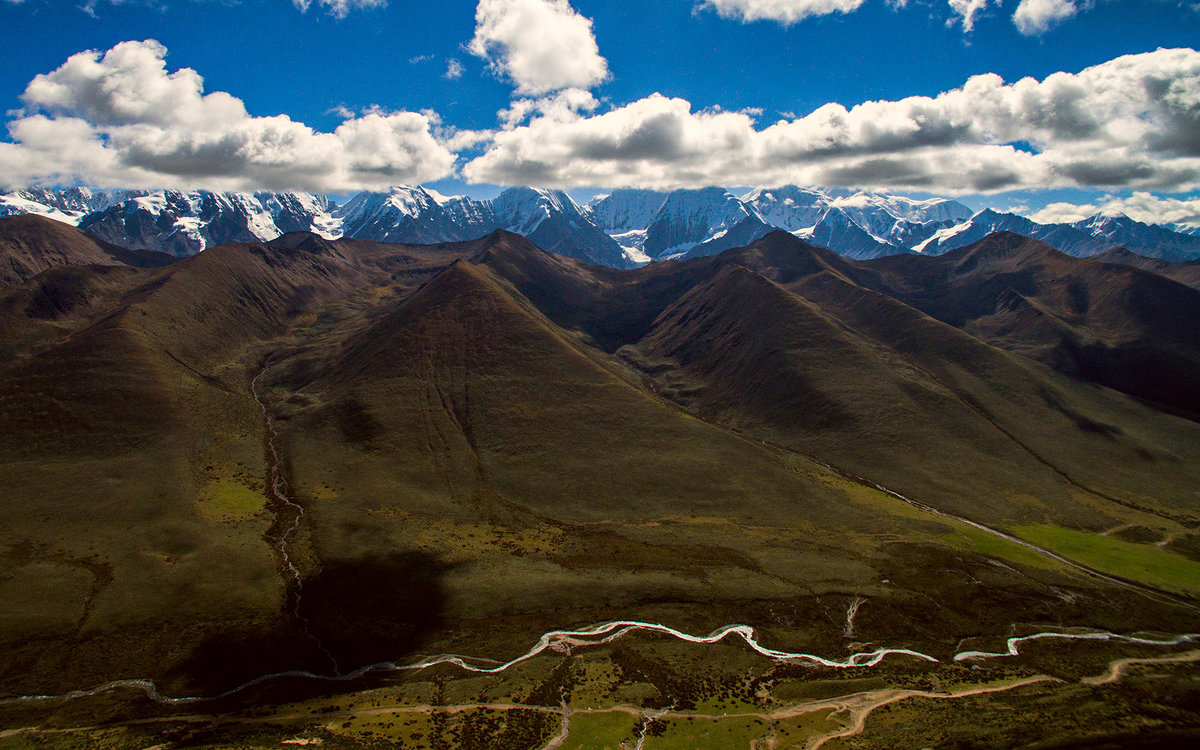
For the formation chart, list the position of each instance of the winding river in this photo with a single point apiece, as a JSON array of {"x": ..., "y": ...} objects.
[{"x": 606, "y": 633}]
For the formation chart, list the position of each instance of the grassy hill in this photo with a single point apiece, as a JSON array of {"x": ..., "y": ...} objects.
[
  {"x": 1117, "y": 325},
  {"x": 31, "y": 244},
  {"x": 489, "y": 441}
]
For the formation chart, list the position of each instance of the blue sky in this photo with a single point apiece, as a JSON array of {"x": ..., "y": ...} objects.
[{"x": 586, "y": 108}]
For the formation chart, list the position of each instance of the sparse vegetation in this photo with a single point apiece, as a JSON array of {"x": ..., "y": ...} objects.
[{"x": 492, "y": 448}]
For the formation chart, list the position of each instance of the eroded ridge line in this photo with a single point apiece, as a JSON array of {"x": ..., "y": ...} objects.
[
  {"x": 279, "y": 490},
  {"x": 606, "y": 633}
]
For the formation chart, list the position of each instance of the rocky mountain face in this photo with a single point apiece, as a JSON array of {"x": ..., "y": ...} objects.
[
  {"x": 623, "y": 229},
  {"x": 184, "y": 224},
  {"x": 68, "y": 205},
  {"x": 1085, "y": 238},
  {"x": 550, "y": 218}
]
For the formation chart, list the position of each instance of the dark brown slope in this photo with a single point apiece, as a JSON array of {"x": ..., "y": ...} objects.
[
  {"x": 205, "y": 308},
  {"x": 607, "y": 307},
  {"x": 1094, "y": 438},
  {"x": 58, "y": 300},
  {"x": 1119, "y": 326},
  {"x": 612, "y": 308},
  {"x": 473, "y": 470},
  {"x": 746, "y": 352},
  {"x": 462, "y": 412},
  {"x": 785, "y": 259},
  {"x": 495, "y": 398},
  {"x": 117, "y": 438},
  {"x": 1184, "y": 273},
  {"x": 854, "y": 376},
  {"x": 180, "y": 326},
  {"x": 31, "y": 244}
]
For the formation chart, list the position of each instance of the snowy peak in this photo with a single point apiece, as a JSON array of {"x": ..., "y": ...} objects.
[
  {"x": 186, "y": 223},
  {"x": 1090, "y": 236},
  {"x": 626, "y": 210},
  {"x": 556, "y": 223},
  {"x": 837, "y": 229},
  {"x": 68, "y": 205},
  {"x": 622, "y": 229},
  {"x": 788, "y": 207},
  {"x": 689, "y": 218},
  {"x": 402, "y": 214},
  {"x": 1144, "y": 239},
  {"x": 550, "y": 218},
  {"x": 523, "y": 209},
  {"x": 879, "y": 224},
  {"x": 903, "y": 208}
]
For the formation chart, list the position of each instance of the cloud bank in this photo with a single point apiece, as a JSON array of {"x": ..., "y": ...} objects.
[
  {"x": 540, "y": 45},
  {"x": 1141, "y": 206},
  {"x": 119, "y": 118},
  {"x": 1131, "y": 122},
  {"x": 1032, "y": 17}
]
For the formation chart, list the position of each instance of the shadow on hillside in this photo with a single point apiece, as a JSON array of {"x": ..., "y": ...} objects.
[
  {"x": 376, "y": 609},
  {"x": 361, "y": 612}
]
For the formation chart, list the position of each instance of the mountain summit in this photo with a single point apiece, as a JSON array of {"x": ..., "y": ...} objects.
[{"x": 623, "y": 229}]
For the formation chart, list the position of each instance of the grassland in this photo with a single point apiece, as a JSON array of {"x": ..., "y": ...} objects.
[
  {"x": 475, "y": 474},
  {"x": 1117, "y": 691},
  {"x": 230, "y": 502},
  {"x": 1142, "y": 562}
]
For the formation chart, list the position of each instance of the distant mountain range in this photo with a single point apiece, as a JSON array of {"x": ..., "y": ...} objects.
[{"x": 625, "y": 229}]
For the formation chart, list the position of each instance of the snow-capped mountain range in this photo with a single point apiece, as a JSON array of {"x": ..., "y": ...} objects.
[
  {"x": 175, "y": 222},
  {"x": 624, "y": 229}
]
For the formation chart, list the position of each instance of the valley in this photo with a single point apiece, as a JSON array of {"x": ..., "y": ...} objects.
[{"x": 766, "y": 498}]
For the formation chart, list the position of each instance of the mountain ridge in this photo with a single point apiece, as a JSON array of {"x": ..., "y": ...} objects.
[{"x": 623, "y": 229}]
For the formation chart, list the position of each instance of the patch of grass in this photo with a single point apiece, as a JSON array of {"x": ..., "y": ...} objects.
[
  {"x": 799, "y": 730},
  {"x": 230, "y": 502},
  {"x": 604, "y": 731},
  {"x": 944, "y": 530},
  {"x": 991, "y": 545},
  {"x": 692, "y": 734},
  {"x": 1145, "y": 563}
]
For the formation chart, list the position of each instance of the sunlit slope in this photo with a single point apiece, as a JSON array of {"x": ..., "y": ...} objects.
[
  {"x": 466, "y": 427},
  {"x": 482, "y": 409}
]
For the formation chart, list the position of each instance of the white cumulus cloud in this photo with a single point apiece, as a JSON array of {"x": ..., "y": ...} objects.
[
  {"x": 784, "y": 11},
  {"x": 1037, "y": 16},
  {"x": 541, "y": 45},
  {"x": 1132, "y": 122},
  {"x": 119, "y": 118},
  {"x": 339, "y": 8},
  {"x": 966, "y": 10}
]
